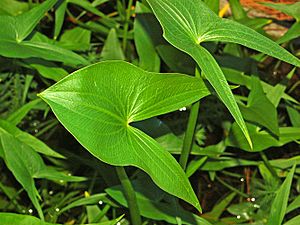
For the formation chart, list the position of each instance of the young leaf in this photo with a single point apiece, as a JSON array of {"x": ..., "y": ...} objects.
[
  {"x": 112, "y": 49},
  {"x": 98, "y": 103},
  {"x": 259, "y": 108},
  {"x": 188, "y": 23},
  {"x": 278, "y": 208}
]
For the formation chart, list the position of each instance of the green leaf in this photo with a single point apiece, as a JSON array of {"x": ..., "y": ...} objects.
[
  {"x": 292, "y": 33},
  {"x": 23, "y": 162},
  {"x": 183, "y": 24},
  {"x": 294, "y": 115},
  {"x": 13, "y": 7},
  {"x": 278, "y": 208},
  {"x": 18, "y": 219},
  {"x": 259, "y": 108},
  {"x": 261, "y": 138},
  {"x": 28, "y": 139},
  {"x": 98, "y": 103},
  {"x": 293, "y": 221},
  {"x": 240, "y": 78},
  {"x": 155, "y": 204},
  {"x": 112, "y": 49},
  {"x": 78, "y": 39},
  {"x": 47, "y": 69},
  {"x": 295, "y": 204},
  {"x": 290, "y": 9},
  {"x": 220, "y": 207},
  {"x": 16, "y": 29},
  {"x": 148, "y": 57},
  {"x": 188, "y": 23},
  {"x": 16, "y": 117},
  {"x": 237, "y": 10},
  {"x": 26, "y": 22},
  {"x": 90, "y": 200},
  {"x": 26, "y": 164},
  {"x": 59, "y": 17},
  {"x": 28, "y": 49}
]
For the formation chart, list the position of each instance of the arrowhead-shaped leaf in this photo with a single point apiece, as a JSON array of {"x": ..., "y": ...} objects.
[
  {"x": 98, "y": 103},
  {"x": 188, "y": 23}
]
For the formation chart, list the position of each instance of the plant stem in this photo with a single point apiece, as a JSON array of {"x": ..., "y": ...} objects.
[
  {"x": 268, "y": 165},
  {"x": 126, "y": 25},
  {"x": 190, "y": 131},
  {"x": 130, "y": 196},
  {"x": 232, "y": 188}
]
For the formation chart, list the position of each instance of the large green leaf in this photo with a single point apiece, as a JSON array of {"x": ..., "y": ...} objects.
[
  {"x": 278, "y": 208},
  {"x": 98, "y": 103},
  {"x": 188, "y": 23}
]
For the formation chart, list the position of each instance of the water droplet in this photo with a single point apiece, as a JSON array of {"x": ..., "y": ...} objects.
[
  {"x": 57, "y": 209},
  {"x": 36, "y": 131},
  {"x": 118, "y": 223},
  {"x": 100, "y": 202},
  {"x": 256, "y": 206},
  {"x": 242, "y": 179},
  {"x": 252, "y": 199},
  {"x": 182, "y": 109},
  {"x": 51, "y": 192},
  {"x": 238, "y": 217},
  {"x": 209, "y": 185},
  {"x": 69, "y": 174},
  {"x": 30, "y": 211},
  {"x": 61, "y": 181}
]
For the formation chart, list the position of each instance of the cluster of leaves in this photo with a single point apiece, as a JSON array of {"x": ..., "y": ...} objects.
[{"x": 242, "y": 132}]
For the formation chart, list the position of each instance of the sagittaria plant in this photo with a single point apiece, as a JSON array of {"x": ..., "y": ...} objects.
[{"x": 98, "y": 103}]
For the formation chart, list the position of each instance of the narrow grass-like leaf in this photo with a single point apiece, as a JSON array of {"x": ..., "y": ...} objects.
[
  {"x": 26, "y": 164},
  {"x": 19, "y": 219},
  {"x": 28, "y": 139},
  {"x": 98, "y": 103},
  {"x": 278, "y": 208},
  {"x": 148, "y": 57}
]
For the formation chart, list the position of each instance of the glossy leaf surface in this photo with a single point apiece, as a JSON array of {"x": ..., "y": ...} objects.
[
  {"x": 98, "y": 103},
  {"x": 188, "y": 23}
]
